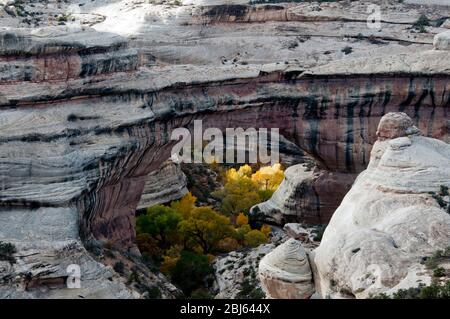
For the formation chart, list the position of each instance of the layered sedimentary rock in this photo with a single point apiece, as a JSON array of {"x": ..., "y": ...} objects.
[
  {"x": 81, "y": 148},
  {"x": 42, "y": 272},
  {"x": 249, "y": 142},
  {"x": 313, "y": 197},
  {"x": 232, "y": 32},
  {"x": 429, "y": 2},
  {"x": 85, "y": 117},
  {"x": 236, "y": 268},
  {"x": 44, "y": 223},
  {"x": 301, "y": 196},
  {"x": 285, "y": 199},
  {"x": 442, "y": 41},
  {"x": 391, "y": 219},
  {"x": 165, "y": 184},
  {"x": 110, "y": 148},
  {"x": 285, "y": 272}
]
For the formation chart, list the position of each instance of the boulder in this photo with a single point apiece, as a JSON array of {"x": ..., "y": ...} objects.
[
  {"x": 285, "y": 273},
  {"x": 442, "y": 41},
  {"x": 446, "y": 24}
]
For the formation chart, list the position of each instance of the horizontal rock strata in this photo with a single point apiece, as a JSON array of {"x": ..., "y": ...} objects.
[
  {"x": 102, "y": 132},
  {"x": 86, "y": 116},
  {"x": 163, "y": 185},
  {"x": 305, "y": 195}
]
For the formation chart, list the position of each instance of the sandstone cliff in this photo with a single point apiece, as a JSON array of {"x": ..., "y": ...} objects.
[
  {"x": 166, "y": 184},
  {"x": 86, "y": 115},
  {"x": 301, "y": 196},
  {"x": 390, "y": 220},
  {"x": 105, "y": 152},
  {"x": 396, "y": 215}
]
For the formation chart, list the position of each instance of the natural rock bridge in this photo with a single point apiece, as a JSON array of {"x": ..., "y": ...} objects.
[{"x": 83, "y": 122}]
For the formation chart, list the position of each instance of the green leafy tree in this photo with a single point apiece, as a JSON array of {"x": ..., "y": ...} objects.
[
  {"x": 241, "y": 232},
  {"x": 149, "y": 248},
  {"x": 161, "y": 223},
  {"x": 265, "y": 194},
  {"x": 255, "y": 238}
]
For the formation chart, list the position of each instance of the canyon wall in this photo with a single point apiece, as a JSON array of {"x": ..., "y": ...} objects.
[
  {"x": 81, "y": 149},
  {"x": 163, "y": 185},
  {"x": 107, "y": 131},
  {"x": 394, "y": 218},
  {"x": 85, "y": 117}
]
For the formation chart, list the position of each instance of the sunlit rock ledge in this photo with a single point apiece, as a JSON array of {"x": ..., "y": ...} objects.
[{"x": 85, "y": 118}]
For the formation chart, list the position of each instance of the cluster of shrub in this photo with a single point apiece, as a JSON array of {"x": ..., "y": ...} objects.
[
  {"x": 439, "y": 289},
  {"x": 433, "y": 291},
  {"x": 7, "y": 251}
]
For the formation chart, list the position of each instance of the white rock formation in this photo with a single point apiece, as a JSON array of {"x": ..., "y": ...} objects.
[
  {"x": 286, "y": 273},
  {"x": 316, "y": 34},
  {"x": 442, "y": 41},
  {"x": 83, "y": 123},
  {"x": 298, "y": 200},
  {"x": 389, "y": 220},
  {"x": 163, "y": 185}
]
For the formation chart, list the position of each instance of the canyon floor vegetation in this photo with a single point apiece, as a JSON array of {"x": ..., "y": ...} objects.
[{"x": 183, "y": 238}]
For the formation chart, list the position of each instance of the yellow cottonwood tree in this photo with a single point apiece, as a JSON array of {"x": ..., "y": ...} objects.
[
  {"x": 185, "y": 205},
  {"x": 269, "y": 177},
  {"x": 245, "y": 170},
  {"x": 243, "y": 189}
]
